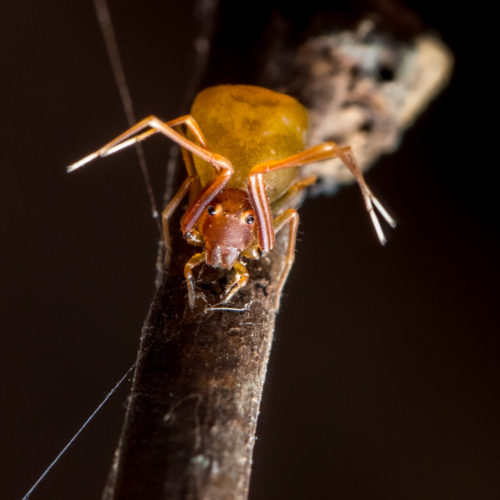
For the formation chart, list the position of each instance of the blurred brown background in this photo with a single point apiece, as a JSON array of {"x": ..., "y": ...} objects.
[{"x": 384, "y": 380}]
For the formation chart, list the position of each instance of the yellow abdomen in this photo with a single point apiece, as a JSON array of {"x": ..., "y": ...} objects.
[{"x": 250, "y": 125}]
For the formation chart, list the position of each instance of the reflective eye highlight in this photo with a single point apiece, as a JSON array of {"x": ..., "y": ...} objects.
[
  {"x": 250, "y": 219},
  {"x": 211, "y": 210}
]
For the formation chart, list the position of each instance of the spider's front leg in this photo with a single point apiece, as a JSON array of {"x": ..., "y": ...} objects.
[
  {"x": 195, "y": 260},
  {"x": 239, "y": 281},
  {"x": 129, "y": 137},
  {"x": 325, "y": 151},
  {"x": 221, "y": 164}
]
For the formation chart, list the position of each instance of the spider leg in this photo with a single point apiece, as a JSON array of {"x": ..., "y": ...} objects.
[
  {"x": 187, "y": 120},
  {"x": 169, "y": 210},
  {"x": 291, "y": 217},
  {"x": 371, "y": 201},
  {"x": 123, "y": 141},
  {"x": 221, "y": 164},
  {"x": 327, "y": 150},
  {"x": 195, "y": 260},
  {"x": 241, "y": 279},
  {"x": 252, "y": 252}
]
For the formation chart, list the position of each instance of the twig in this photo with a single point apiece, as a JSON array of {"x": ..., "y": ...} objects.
[{"x": 190, "y": 425}]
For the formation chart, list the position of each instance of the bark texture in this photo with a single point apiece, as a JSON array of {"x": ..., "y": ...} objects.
[{"x": 191, "y": 420}]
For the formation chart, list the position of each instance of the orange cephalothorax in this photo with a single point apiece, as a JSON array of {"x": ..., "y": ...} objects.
[{"x": 228, "y": 227}]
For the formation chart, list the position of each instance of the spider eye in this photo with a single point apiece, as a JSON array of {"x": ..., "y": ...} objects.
[
  {"x": 250, "y": 219},
  {"x": 211, "y": 210}
]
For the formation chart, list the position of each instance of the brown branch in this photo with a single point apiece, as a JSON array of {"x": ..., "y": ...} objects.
[{"x": 191, "y": 418}]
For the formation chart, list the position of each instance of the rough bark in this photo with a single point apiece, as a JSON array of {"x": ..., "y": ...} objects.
[{"x": 192, "y": 413}]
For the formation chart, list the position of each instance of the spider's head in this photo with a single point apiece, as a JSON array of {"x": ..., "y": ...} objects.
[{"x": 228, "y": 227}]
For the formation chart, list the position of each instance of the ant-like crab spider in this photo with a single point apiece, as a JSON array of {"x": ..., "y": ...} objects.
[{"x": 241, "y": 151}]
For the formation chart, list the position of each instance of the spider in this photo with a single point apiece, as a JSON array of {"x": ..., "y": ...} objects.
[{"x": 242, "y": 149}]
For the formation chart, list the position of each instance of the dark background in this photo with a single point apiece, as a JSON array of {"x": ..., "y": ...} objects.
[{"x": 384, "y": 376}]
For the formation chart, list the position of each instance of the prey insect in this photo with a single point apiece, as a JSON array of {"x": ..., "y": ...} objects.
[{"x": 242, "y": 147}]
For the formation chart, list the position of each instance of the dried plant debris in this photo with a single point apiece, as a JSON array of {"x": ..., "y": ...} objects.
[{"x": 363, "y": 88}]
